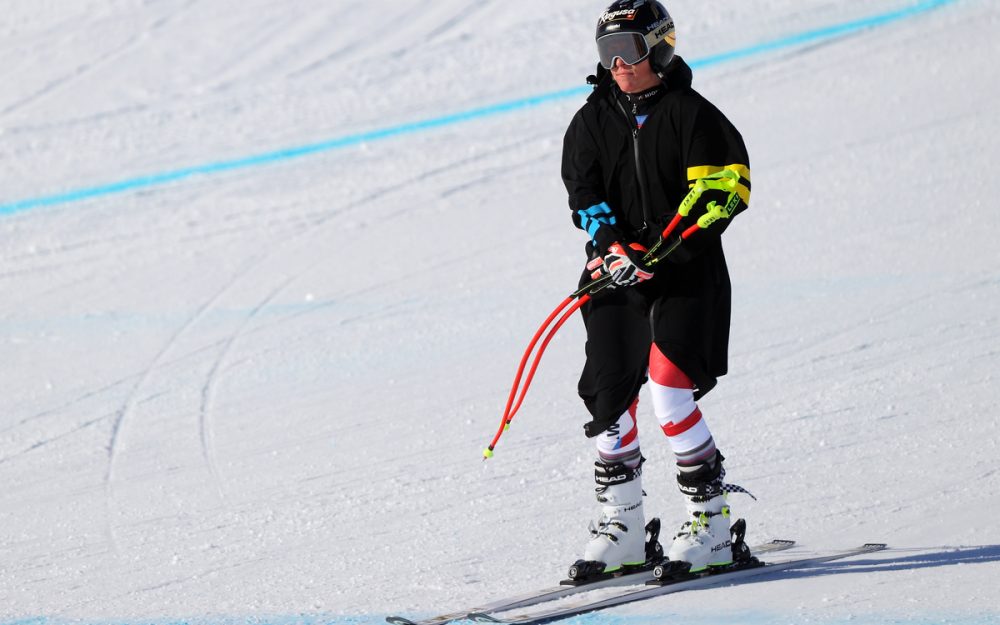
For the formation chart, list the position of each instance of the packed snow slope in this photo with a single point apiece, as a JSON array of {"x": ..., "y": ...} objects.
[{"x": 261, "y": 392}]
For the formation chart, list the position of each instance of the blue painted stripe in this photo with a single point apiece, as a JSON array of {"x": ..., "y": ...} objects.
[
  {"x": 276, "y": 156},
  {"x": 820, "y": 34},
  {"x": 704, "y": 617}
]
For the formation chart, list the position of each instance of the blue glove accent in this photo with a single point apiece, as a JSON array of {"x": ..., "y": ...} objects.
[{"x": 591, "y": 219}]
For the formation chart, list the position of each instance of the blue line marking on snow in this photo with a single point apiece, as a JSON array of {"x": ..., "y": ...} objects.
[
  {"x": 820, "y": 34},
  {"x": 277, "y": 156},
  {"x": 703, "y": 618},
  {"x": 770, "y": 618}
]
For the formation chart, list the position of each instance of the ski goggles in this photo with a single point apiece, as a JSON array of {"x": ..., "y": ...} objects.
[{"x": 631, "y": 48}]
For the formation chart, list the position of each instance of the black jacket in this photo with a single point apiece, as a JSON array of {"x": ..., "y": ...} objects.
[{"x": 684, "y": 138}]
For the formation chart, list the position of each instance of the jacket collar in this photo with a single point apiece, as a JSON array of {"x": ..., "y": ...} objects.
[{"x": 677, "y": 76}]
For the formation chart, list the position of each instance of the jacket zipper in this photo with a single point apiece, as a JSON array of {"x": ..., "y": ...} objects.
[{"x": 647, "y": 215}]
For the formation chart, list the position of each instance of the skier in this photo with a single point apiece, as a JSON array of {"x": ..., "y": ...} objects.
[{"x": 631, "y": 154}]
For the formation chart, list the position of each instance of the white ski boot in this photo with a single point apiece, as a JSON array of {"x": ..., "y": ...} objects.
[
  {"x": 619, "y": 539},
  {"x": 705, "y": 539}
]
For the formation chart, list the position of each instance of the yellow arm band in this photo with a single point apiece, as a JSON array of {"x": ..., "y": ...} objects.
[{"x": 704, "y": 171}]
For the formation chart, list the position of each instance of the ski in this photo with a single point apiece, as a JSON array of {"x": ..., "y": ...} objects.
[
  {"x": 656, "y": 588},
  {"x": 566, "y": 588}
]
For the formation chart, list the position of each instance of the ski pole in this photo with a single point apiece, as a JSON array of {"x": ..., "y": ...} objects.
[
  {"x": 509, "y": 412},
  {"x": 725, "y": 180},
  {"x": 505, "y": 422}
]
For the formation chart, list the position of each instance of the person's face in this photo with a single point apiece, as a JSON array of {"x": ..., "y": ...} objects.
[{"x": 634, "y": 78}]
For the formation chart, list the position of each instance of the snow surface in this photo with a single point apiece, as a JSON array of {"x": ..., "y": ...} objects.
[{"x": 260, "y": 394}]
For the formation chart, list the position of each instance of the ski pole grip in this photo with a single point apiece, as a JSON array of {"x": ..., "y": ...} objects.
[
  {"x": 725, "y": 180},
  {"x": 713, "y": 213}
]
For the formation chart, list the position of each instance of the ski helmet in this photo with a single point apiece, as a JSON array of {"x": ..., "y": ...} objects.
[{"x": 633, "y": 30}]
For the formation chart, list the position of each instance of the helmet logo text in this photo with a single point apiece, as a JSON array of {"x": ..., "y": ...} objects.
[{"x": 622, "y": 14}]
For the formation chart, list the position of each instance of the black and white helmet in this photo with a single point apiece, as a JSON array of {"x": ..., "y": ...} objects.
[{"x": 633, "y": 30}]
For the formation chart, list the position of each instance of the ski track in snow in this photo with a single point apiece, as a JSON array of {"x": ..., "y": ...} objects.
[
  {"x": 209, "y": 388},
  {"x": 253, "y": 268},
  {"x": 87, "y": 67},
  {"x": 206, "y": 433},
  {"x": 122, "y": 418},
  {"x": 280, "y": 532}
]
